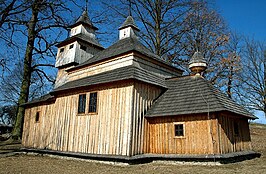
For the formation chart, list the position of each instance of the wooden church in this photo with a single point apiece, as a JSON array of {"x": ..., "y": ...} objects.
[{"x": 125, "y": 102}]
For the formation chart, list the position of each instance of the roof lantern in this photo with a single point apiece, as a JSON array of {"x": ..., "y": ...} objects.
[{"x": 197, "y": 63}]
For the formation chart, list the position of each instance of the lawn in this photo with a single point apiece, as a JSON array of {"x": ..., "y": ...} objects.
[{"x": 44, "y": 164}]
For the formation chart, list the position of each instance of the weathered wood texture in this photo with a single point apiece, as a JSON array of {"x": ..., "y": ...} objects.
[
  {"x": 117, "y": 128},
  {"x": 61, "y": 128},
  {"x": 229, "y": 142},
  {"x": 143, "y": 97},
  {"x": 123, "y": 61},
  {"x": 200, "y": 135},
  {"x": 101, "y": 67}
]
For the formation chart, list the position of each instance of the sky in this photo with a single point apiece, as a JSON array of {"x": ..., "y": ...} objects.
[{"x": 245, "y": 17}]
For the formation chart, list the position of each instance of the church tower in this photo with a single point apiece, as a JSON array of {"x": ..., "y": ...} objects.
[
  {"x": 128, "y": 29},
  {"x": 80, "y": 46}
]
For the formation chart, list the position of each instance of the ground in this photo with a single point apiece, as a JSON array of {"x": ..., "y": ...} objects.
[{"x": 40, "y": 164}]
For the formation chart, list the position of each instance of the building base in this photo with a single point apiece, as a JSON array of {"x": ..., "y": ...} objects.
[{"x": 147, "y": 158}]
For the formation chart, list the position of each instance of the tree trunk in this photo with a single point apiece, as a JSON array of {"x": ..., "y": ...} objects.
[
  {"x": 264, "y": 64},
  {"x": 229, "y": 84},
  {"x": 24, "y": 90},
  {"x": 158, "y": 20}
]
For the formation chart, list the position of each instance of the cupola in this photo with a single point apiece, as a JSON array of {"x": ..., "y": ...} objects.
[
  {"x": 81, "y": 44},
  {"x": 197, "y": 63},
  {"x": 128, "y": 28}
]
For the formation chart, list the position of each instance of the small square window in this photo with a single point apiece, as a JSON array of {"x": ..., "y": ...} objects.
[
  {"x": 62, "y": 50},
  {"x": 236, "y": 128},
  {"x": 93, "y": 102},
  {"x": 82, "y": 103},
  {"x": 179, "y": 130},
  {"x": 71, "y": 46},
  {"x": 37, "y": 117},
  {"x": 83, "y": 47}
]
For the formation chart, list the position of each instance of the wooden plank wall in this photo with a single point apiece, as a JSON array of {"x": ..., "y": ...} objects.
[
  {"x": 143, "y": 97},
  {"x": 60, "y": 128},
  {"x": 201, "y": 135},
  {"x": 229, "y": 142}
]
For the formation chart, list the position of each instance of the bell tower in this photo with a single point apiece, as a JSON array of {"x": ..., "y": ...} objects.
[
  {"x": 80, "y": 46},
  {"x": 128, "y": 28}
]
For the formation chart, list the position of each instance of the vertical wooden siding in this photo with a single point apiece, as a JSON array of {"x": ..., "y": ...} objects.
[
  {"x": 143, "y": 97},
  {"x": 200, "y": 135},
  {"x": 60, "y": 128},
  {"x": 229, "y": 142}
]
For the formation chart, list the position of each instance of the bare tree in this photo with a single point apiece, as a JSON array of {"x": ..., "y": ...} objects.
[
  {"x": 7, "y": 114},
  {"x": 159, "y": 21},
  {"x": 252, "y": 91},
  {"x": 42, "y": 18},
  {"x": 162, "y": 21},
  {"x": 207, "y": 33},
  {"x": 231, "y": 65}
]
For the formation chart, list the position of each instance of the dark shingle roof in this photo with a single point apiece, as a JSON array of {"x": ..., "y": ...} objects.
[
  {"x": 129, "y": 22},
  {"x": 44, "y": 98},
  {"x": 120, "y": 47},
  {"x": 193, "y": 94},
  {"x": 84, "y": 19},
  {"x": 81, "y": 37},
  {"x": 128, "y": 72}
]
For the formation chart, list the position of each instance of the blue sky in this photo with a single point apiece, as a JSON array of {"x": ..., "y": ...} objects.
[{"x": 245, "y": 16}]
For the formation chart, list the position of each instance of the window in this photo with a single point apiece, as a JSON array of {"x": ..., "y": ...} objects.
[
  {"x": 93, "y": 102},
  {"x": 62, "y": 50},
  {"x": 179, "y": 130},
  {"x": 71, "y": 46},
  {"x": 82, "y": 103},
  {"x": 236, "y": 128},
  {"x": 83, "y": 47},
  {"x": 37, "y": 117}
]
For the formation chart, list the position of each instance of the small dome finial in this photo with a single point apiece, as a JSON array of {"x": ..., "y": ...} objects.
[{"x": 197, "y": 63}]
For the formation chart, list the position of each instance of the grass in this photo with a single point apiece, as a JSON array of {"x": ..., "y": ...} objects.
[{"x": 43, "y": 164}]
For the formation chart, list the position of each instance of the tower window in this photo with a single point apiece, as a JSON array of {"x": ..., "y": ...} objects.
[
  {"x": 37, "y": 117},
  {"x": 71, "y": 46},
  {"x": 93, "y": 102},
  {"x": 62, "y": 50},
  {"x": 82, "y": 103},
  {"x": 83, "y": 47}
]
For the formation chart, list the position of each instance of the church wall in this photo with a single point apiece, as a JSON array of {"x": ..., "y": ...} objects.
[
  {"x": 143, "y": 97},
  {"x": 200, "y": 135},
  {"x": 230, "y": 141},
  {"x": 67, "y": 56},
  {"x": 84, "y": 55},
  {"x": 61, "y": 128}
]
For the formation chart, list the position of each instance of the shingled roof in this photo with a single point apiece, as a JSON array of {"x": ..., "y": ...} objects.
[
  {"x": 81, "y": 37},
  {"x": 129, "y": 22},
  {"x": 128, "y": 72},
  {"x": 85, "y": 20},
  {"x": 121, "y": 47},
  {"x": 191, "y": 95},
  {"x": 45, "y": 98}
]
